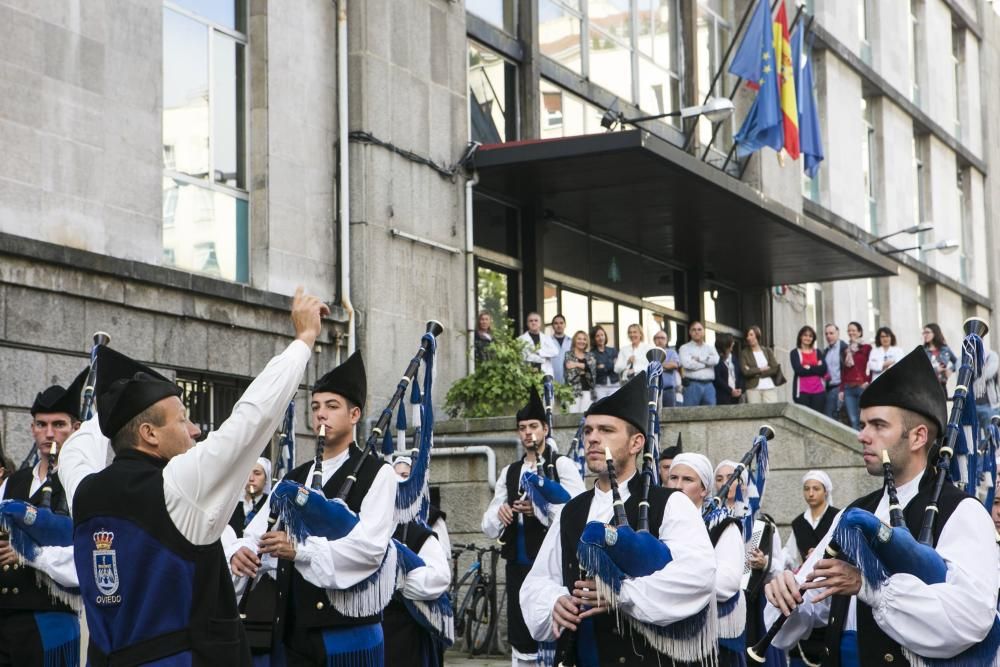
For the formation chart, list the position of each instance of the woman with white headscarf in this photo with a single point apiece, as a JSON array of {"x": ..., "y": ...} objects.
[
  {"x": 691, "y": 474},
  {"x": 808, "y": 529},
  {"x": 255, "y": 492}
]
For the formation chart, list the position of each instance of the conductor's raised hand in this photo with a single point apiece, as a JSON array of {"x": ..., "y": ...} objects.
[{"x": 307, "y": 316}]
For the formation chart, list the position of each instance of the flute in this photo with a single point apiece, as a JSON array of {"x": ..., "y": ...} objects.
[{"x": 317, "y": 478}]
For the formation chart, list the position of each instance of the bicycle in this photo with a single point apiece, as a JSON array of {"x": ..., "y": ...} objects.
[{"x": 476, "y": 614}]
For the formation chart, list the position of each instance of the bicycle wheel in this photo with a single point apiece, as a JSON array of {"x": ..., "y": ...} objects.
[{"x": 481, "y": 622}]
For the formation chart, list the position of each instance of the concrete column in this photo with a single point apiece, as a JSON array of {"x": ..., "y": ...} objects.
[{"x": 528, "y": 79}]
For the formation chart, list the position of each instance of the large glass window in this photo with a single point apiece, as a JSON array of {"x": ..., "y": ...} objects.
[
  {"x": 715, "y": 31},
  {"x": 492, "y": 96},
  {"x": 868, "y": 165},
  {"x": 915, "y": 44},
  {"x": 501, "y": 13},
  {"x": 495, "y": 225},
  {"x": 205, "y": 201},
  {"x": 559, "y": 33},
  {"x": 564, "y": 114},
  {"x": 864, "y": 31},
  {"x": 968, "y": 237},
  {"x": 920, "y": 189},
  {"x": 496, "y": 293},
  {"x": 957, "y": 57}
]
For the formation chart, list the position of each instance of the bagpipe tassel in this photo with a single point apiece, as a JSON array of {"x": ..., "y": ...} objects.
[
  {"x": 68, "y": 596},
  {"x": 371, "y": 596},
  {"x": 546, "y": 655},
  {"x": 388, "y": 446},
  {"x": 543, "y": 492},
  {"x": 436, "y": 616},
  {"x": 401, "y": 425},
  {"x": 692, "y": 640},
  {"x": 360, "y": 646},
  {"x": 60, "y": 638},
  {"x": 732, "y": 617},
  {"x": 412, "y": 494},
  {"x": 31, "y": 528},
  {"x": 306, "y": 513}
]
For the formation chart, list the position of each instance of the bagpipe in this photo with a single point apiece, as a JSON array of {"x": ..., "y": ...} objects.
[
  {"x": 651, "y": 448},
  {"x": 305, "y": 511},
  {"x": 612, "y": 553},
  {"x": 755, "y": 463}
]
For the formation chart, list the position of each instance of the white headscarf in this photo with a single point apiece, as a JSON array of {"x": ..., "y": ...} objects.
[
  {"x": 823, "y": 479},
  {"x": 700, "y": 464},
  {"x": 744, "y": 476},
  {"x": 266, "y": 465}
]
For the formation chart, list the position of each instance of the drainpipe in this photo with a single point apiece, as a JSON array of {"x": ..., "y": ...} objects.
[
  {"x": 344, "y": 190},
  {"x": 470, "y": 275}
]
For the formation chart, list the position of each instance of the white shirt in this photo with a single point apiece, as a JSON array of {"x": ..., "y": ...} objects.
[
  {"x": 202, "y": 486},
  {"x": 934, "y": 621},
  {"x": 569, "y": 478},
  {"x": 879, "y": 356},
  {"x": 441, "y": 530},
  {"x": 340, "y": 564},
  {"x": 791, "y": 550},
  {"x": 559, "y": 368},
  {"x": 761, "y": 359},
  {"x": 638, "y": 365},
  {"x": 546, "y": 350},
  {"x": 730, "y": 559},
  {"x": 432, "y": 580},
  {"x": 681, "y": 589},
  {"x": 698, "y": 361}
]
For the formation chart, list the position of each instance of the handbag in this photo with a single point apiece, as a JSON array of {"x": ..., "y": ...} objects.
[{"x": 779, "y": 377}]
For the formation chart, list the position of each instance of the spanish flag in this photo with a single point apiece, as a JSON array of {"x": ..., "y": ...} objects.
[{"x": 786, "y": 82}]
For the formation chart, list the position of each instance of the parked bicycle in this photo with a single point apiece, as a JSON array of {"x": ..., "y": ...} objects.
[{"x": 476, "y": 614}]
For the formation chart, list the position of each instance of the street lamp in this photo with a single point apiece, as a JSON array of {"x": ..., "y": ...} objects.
[
  {"x": 715, "y": 109},
  {"x": 946, "y": 247},
  {"x": 915, "y": 229}
]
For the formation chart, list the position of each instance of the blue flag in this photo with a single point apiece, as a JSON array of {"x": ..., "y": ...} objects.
[
  {"x": 747, "y": 62},
  {"x": 810, "y": 142},
  {"x": 763, "y": 124}
]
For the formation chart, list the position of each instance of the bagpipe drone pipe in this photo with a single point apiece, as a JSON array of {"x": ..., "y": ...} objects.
[
  {"x": 612, "y": 553},
  {"x": 755, "y": 462},
  {"x": 307, "y": 512}
]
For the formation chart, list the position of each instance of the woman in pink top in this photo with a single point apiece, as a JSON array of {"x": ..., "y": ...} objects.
[{"x": 808, "y": 389}]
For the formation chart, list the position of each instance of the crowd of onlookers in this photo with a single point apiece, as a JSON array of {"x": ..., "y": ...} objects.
[{"x": 826, "y": 378}]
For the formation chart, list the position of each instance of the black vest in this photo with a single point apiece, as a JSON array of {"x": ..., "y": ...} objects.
[
  {"x": 807, "y": 537},
  {"x": 405, "y": 639},
  {"x": 156, "y": 573},
  {"x": 238, "y": 520},
  {"x": 19, "y": 589},
  {"x": 619, "y": 646},
  {"x": 875, "y": 647},
  {"x": 534, "y": 530},
  {"x": 306, "y": 606}
]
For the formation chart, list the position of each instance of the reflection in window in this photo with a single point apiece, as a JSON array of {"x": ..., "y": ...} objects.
[
  {"x": 492, "y": 96},
  {"x": 610, "y": 65},
  {"x": 205, "y": 207},
  {"x": 493, "y": 288},
  {"x": 550, "y": 302},
  {"x": 495, "y": 225},
  {"x": 564, "y": 114},
  {"x": 626, "y": 317},
  {"x": 205, "y": 231},
  {"x": 501, "y": 13},
  {"x": 559, "y": 31},
  {"x": 602, "y": 313},
  {"x": 715, "y": 30},
  {"x": 576, "y": 309}
]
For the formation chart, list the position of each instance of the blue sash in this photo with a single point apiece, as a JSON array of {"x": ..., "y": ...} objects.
[
  {"x": 849, "y": 649},
  {"x": 60, "y": 634},
  {"x": 359, "y": 646}
]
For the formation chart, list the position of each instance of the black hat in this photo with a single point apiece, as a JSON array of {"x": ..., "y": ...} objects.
[
  {"x": 630, "y": 403},
  {"x": 57, "y": 399},
  {"x": 911, "y": 384},
  {"x": 348, "y": 380},
  {"x": 533, "y": 409},
  {"x": 125, "y": 388},
  {"x": 672, "y": 452}
]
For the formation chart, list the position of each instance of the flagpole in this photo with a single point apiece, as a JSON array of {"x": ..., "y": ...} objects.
[{"x": 746, "y": 15}]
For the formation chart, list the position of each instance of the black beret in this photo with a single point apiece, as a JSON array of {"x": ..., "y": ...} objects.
[
  {"x": 533, "y": 409},
  {"x": 348, "y": 380},
  {"x": 910, "y": 384},
  {"x": 57, "y": 399},
  {"x": 125, "y": 388},
  {"x": 630, "y": 402}
]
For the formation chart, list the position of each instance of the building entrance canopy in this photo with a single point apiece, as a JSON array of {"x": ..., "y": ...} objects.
[{"x": 645, "y": 193}]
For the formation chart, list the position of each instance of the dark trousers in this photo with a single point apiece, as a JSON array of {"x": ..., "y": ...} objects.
[
  {"x": 517, "y": 631},
  {"x": 20, "y": 643},
  {"x": 815, "y": 402}
]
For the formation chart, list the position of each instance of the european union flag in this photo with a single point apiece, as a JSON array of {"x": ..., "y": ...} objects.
[
  {"x": 747, "y": 62},
  {"x": 810, "y": 142},
  {"x": 763, "y": 123}
]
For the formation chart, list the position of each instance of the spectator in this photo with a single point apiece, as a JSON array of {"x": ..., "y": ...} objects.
[
  {"x": 759, "y": 367},
  {"x": 808, "y": 388},
  {"x": 581, "y": 369},
  {"x": 539, "y": 348},
  {"x": 987, "y": 390},
  {"x": 484, "y": 336},
  {"x": 604, "y": 355},
  {"x": 942, "y": 358},
  {"x": 854, "y": 372},
  {"x": 564, "y": 343},
  {"x": 728, "y": 378},
  {"x": 832, "y": 355},
  {"x": 698, "y": 359},
  {"x": 668, "y": 381},
  {"x": 667, "y": 457},
  {"x": 632, "y": 356},
  {"x": 885, "y": 353}
]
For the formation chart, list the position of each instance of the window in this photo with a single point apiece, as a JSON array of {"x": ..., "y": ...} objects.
[
  {"x": 496, "y": 293},
  {"x": 564, "y": 114},
  {"x": 957, "y": 58},
  {"x": 864, "y": 30},
  {"x": 205, "y": 200},
  {"x": 968, "y": 246},
  {"x": 492, "y": 96},
  {"x": 559, "y": 33},
  {"x": 501, "y": 13},
  {"x": 210, "y": 399},
  {"x": 915, "y": 45},
  {"x": 874, "y": 304},
  {"x": 659, "y": 62},
  {"x": 868, "y": 165},
  {"x": 715, "y": 31},
  {"x": 920, "y": 189}
]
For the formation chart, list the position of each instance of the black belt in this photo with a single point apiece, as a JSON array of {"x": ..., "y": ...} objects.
[
  {"x": 831, "y": 386},
  {"x": 148, "y": 650},
  {"x": 700, "y": 381}
]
